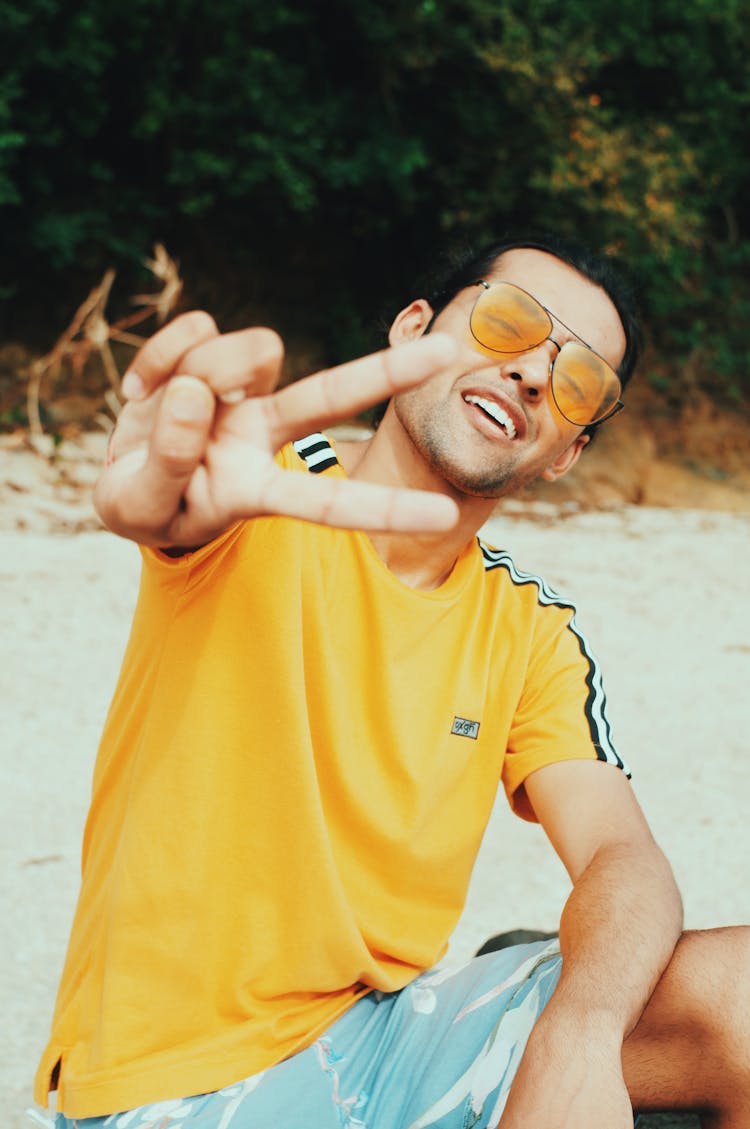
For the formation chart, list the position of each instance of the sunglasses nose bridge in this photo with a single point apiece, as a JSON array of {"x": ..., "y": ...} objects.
[{"x": 533, "y": 368}]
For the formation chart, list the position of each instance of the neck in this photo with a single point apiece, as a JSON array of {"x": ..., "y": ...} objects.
[{"x": 421, "y": 561}]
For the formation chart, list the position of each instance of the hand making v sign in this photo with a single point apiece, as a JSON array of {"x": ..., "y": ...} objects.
[{"x": 194, "y": 446}]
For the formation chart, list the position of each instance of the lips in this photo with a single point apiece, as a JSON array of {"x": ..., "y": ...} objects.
[
  {"x": 506, "y": 416},
  {"x": 495, "y": 412}
]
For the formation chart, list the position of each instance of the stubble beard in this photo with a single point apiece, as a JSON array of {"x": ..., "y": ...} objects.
[{"x": 431, "y": 437}]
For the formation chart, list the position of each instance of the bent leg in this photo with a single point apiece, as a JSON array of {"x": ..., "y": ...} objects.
[{"x": 691, "y": 1047}]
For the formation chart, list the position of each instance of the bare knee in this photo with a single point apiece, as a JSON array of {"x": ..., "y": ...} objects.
[
  {"x": 691, "y": 1047},
  {"x": 706, "y": 985}
]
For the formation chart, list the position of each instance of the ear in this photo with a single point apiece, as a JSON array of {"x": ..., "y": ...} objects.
[
  {"x": 566, "y": 459},
  {"x": 411, "y": 322}
]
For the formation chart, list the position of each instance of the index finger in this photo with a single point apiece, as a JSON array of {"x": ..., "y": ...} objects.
[
  {"x": 160, "y": 357},
  {"x": 340, "y": 393}
]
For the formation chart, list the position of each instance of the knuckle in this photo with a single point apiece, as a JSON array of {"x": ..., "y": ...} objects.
[
  {"x": 196, "y": 325},
  {"x": 115, "y": 511},
  {"x": 178, "y": 451},
  {"x": 163, "y": 351},
  {"x": 267, "y": 345},
  {"x": 153, "y": 357},
  {"x": 258, "y": 358},
  {"x": 245, "y": 358}
]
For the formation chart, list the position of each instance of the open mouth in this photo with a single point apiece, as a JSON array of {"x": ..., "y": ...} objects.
[{"x": 497, "y": 414}]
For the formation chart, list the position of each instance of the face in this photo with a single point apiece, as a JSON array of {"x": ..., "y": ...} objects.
[{"x": 486, "y": 426}]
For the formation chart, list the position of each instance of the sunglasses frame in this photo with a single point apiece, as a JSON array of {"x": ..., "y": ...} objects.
[{"x": 619, "y": 404}]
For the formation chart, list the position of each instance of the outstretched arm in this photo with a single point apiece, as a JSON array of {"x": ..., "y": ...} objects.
[
  {"x": 618, "y": 931},
  {"x": 193, "y": 450}
]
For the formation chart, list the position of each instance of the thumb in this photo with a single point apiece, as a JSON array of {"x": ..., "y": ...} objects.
[
  {"x": 178, "y": 445},
  {"x": 181, "y": 431}
]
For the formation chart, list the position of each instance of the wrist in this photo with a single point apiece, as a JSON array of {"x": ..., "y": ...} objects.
[{"x": 565, "y": 1028}]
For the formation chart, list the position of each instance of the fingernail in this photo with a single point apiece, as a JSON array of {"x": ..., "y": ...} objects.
[
  {"x": 233, "y": 396},
  {"x": 186, "y": 399},
  {"x": 132, "y": 386}
]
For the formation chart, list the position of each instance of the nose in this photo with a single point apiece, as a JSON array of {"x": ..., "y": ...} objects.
[{"x": 532, "y": 370}]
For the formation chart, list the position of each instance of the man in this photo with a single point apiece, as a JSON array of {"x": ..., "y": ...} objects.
[{"x": 303, "y": 748}]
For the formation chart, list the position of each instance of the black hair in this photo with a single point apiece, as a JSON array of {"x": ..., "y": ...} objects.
[{"x": 467, "y": 266}]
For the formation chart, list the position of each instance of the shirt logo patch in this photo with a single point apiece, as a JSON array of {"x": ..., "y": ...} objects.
[{"x": 462, "y": 727}]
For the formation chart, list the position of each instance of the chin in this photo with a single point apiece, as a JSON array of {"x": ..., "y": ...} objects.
[{"x": 481, "y": 483}]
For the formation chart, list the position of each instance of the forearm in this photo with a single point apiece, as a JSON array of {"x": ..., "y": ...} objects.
[{"x": 618, "y": 931}]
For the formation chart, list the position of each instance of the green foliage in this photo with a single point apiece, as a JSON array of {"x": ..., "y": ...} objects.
[{"x": 302, "y": 159}]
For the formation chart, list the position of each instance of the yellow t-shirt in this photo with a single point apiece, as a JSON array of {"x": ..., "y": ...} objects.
[{"x": 293, "y": 781}]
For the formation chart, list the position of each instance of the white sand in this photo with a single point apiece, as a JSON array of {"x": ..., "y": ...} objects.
[{"x": 662, "y": 598}]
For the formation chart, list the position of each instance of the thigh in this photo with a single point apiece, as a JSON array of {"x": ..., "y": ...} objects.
[
  {"x": 294, "y": 1094},
  {"x": 452, "y": 1041}
]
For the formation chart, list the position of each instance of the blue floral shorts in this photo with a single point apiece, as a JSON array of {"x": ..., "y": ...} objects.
[{"x": 440, "y": 1053}]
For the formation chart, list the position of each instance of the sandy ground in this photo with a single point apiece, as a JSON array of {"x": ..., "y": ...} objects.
[{"x": 662, "y": 598}]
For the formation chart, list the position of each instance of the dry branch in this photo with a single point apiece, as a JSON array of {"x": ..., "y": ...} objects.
[
  {"x": 167, "y": 271},
  {"x": 89, "y": 334}
]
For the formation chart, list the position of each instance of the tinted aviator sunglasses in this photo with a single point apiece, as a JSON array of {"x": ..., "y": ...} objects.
[{"x": 506, "y": 320}]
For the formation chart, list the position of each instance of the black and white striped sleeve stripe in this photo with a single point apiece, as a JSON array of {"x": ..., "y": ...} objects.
[
  {"x": 595, "y": 707},
  {"x": 316, "y": 452}
]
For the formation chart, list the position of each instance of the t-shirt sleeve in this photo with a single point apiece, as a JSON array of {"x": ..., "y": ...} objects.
[{"x": 561, "y": 714}]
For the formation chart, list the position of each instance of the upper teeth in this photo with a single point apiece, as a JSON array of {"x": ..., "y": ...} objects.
[{"x": 498, "y": 414}]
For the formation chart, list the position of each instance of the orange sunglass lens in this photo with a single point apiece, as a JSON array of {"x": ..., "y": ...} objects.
[
  {"x": 584, "y": 387},
  {"x": 506, "y": 319}
]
